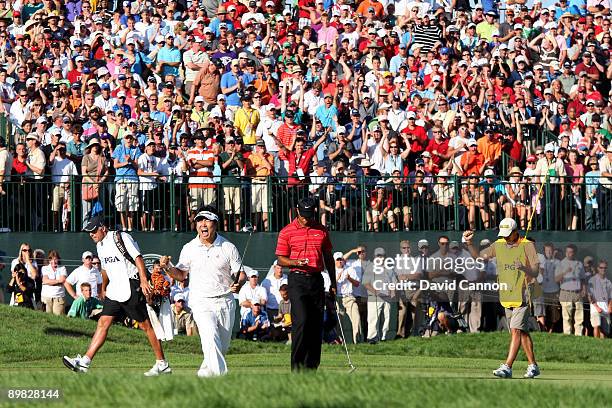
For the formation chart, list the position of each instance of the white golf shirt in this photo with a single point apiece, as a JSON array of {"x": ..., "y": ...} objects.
[
  {"x": 81, "y": 275},
  {"x": 344, "y": 286},
  {"x": 272, "y": 285},
  {"x": 254, "y": 295},
  {"x": 118, "y": 269},
  {"x": 210, "y": 268}
]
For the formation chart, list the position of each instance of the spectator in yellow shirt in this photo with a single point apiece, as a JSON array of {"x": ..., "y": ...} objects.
[{"x": 246, "y": 121}]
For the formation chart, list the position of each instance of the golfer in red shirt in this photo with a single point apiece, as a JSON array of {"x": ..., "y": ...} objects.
[{"x": 305, "y": 248}]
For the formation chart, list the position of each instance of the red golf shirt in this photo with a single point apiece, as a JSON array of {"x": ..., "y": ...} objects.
[{"x": 304, "y": 242}]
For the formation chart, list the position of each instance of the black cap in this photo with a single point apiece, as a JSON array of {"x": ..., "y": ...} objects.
[
  {"x": 93, "y": 223},
  {"x": 306, "y": 207}
]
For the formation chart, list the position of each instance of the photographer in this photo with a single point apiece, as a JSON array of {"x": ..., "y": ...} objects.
[
  {"x": 232, "y": 163},
  {"x": 21, "y": 286}
]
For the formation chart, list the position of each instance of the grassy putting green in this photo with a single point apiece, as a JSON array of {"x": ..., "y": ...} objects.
[{"x": 416, "y": 372}]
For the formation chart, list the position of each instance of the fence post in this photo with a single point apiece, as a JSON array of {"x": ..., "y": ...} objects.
[
  {"x": 72, "y": 204},
  {"x": 547, "y": 203},
  {"x": 172, "y": 202},
  {"x": 456, "y": 202},
  {"x": 269, "y": 198},
  {"x": 364, "y": 201}
]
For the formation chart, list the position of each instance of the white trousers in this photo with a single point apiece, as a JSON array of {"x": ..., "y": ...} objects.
[
  {"x": 215, "y": 319},
  {"x": 377, "y": 307}
]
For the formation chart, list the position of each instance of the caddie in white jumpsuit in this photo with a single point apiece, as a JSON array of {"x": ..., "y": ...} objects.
[{"x": 211, "y": 262}]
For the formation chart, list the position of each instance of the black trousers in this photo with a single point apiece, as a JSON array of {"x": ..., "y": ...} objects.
[{"x": 306, "y": 294}]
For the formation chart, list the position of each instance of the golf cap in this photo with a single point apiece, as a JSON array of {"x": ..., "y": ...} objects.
[
  {"x": 306, "y": 207},
  {"x": 87, "y": 254},
  {"x": 206, "y": 215},
  {"x": 252, "y": 273},
  {"x": 179, "y": 298},
  {"x": 506, "y": 226},
  {"x": 549, "y": 148},
  {"x": 489, "y": 173},
  {"x": 453, "y": 244},
  {"x": 472, "y": 142},
  {"x": 338, "y": 255},
  {"x": 379, "y": 251},
  {"x": 93, "y": 223},
  {"x": 423, "y": 243}
]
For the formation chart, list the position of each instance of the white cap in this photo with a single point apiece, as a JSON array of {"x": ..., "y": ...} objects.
[
  {"x": 252, "y": 272},
  {"x": 506, "y": 226},
  {"x": 338, "y": 255},
  {"x": 472, "y": 142},
  {"x": 436, "y": 78},
  {"x": 199, "y": 98},
  {"x": 422, "y": 243},
  {"x": 86, "y": 254},
  {"x": 79, "y": 58},
  {"x": 340, "y": 129},
  {"x": 178, "y": 297},
  {"x": 220, "y": 97},
  {"x": 549, "y": 147},
  {"x": 489, "y": 173},
  {"x": 150, "y": 142}
]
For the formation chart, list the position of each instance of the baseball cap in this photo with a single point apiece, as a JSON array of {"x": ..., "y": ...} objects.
[
  {"x": 206, "y": 215},
  {"x": 489, "y": 173},
  {"x": 549, "y": 147},
  {"x": 93, "y": 223},
  {"x": 338, "y": 255},
  {"x": 199, "y": 98},
  {"x": 422, "y": 243},
  {"x": 306, "y": 207},
  {"x": 87, "y": 254},
  {"x": 506, "y": 226},
  {"x": 379, "y": 251},
  {"x": 472, "y": 142},
  {"x": 179, "y": 297},
  {"x": 252, "y": 273}
]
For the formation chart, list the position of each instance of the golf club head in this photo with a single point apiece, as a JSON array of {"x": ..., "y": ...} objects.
[{"x": 248, "y": 227}]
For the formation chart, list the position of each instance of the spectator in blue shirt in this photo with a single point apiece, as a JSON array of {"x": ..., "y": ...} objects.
[
  {"x": 231, "y": 82},
  {"x": 591, "y": 180},
  {"x": 327, "y": 113},
  {"x": 168, "y": 58},
  {"x": 125, "y": 158},
  {"x": 255, "y": 324}
]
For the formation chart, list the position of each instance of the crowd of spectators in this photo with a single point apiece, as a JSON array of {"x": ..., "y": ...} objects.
[
  {"x": 219, "y": 97},
  {"x": 571, "y": 295}
]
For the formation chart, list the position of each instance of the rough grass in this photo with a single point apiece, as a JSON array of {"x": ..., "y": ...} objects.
[{"x": 441, "y": 371}]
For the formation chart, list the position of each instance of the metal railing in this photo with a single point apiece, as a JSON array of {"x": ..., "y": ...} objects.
[{"x": 359, "y": 204}]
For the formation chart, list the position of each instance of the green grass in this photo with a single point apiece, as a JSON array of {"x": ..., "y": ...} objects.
[{"x": 441, "y": 371}]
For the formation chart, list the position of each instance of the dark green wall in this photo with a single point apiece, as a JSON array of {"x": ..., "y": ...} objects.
[{"x": 262, "y": 246}]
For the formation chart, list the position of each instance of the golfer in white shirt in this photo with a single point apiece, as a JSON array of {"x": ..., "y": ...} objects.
[{"x": 211, "y": 262}]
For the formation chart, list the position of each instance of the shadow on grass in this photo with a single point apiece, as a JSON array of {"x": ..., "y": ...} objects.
[{"x": 56, "y": 331}]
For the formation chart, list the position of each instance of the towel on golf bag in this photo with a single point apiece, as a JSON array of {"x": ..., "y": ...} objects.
[{"x": 163, "y": 323}]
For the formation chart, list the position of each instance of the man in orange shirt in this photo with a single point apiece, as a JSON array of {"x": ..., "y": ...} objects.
[
  {"x": 260, "y": 166},
  {"x": 371, "y": 8},
  {"x": 472, "y": 161},
  {"x": 490, "y": 147}
]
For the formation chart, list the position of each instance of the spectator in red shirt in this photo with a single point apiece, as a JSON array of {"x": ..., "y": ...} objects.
[
  {"x": 76, "y": 74},
  {"x": 438, "y": 147},
  {"x": 590, "y": 66}
]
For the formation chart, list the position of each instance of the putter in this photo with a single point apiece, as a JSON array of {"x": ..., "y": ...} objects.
[
  {"x": 248, "y": 227},
  {"x": 348, "y": 356}
]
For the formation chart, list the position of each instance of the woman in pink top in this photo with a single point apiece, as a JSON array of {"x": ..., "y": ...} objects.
[{"x": 575, "y": 175}]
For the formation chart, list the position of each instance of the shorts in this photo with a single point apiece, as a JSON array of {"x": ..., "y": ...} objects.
[
  {"x": 199, "y": 197},
  {"x": 231, "y": 200},
  {"x": 518, "y": 318},
  {"x": 135, "y": 307},
  {"x": 259, "y": 196},
  {"x": 149, "y": 201},
  {"x": 59, "y": 192},
  {"x": 126, "y": 196},
  {"x": 601, "y": 320}
]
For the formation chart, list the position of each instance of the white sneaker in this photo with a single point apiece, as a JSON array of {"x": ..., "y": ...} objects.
[
  {"x": 158, "y": 369},
  {"x": 75, "y": 364},
  {"x": 532, "y": 371},
  {"x": 503, "y": 371},
  {"x": 205, "y": 373}
]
